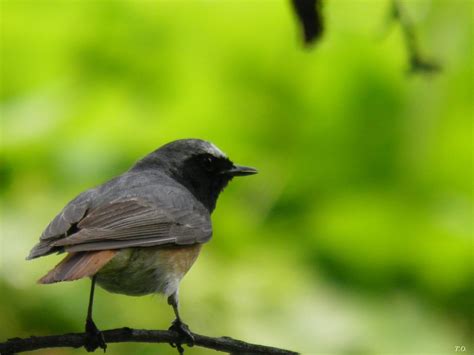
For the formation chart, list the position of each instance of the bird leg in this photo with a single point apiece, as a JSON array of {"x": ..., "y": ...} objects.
[
  {"x": 179, "y": 327},
  {"x": 94, "y": 337}
]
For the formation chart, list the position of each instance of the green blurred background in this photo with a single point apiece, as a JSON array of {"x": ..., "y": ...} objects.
[{"x": 356, "y": 236}]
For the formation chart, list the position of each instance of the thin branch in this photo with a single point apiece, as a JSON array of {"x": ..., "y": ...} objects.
[
  {"x": 418, "y": 63},
  {"x": 121, "y": 335},
  {"x": 309, "y": 13}
]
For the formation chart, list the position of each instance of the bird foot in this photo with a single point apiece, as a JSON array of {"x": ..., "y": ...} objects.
[
  {"x": 186, "y": 337},
  {"x": 94, "y": 337}
]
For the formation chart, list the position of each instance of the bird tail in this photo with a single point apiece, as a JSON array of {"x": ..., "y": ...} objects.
[{"x": 78, "y": 265}]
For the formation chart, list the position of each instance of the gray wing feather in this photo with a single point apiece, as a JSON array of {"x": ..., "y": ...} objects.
[
  {"x": 143, "y": 242},
  {"x": 126, "y": 222},
  {"x": 70, "y": 215},
  {"x": 61, "y": 224}
]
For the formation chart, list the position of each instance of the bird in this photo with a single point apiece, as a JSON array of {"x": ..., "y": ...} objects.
[{"x": 140, "y": 232}]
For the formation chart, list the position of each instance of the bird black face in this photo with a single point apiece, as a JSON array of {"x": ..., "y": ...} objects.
[
  {"x": 198, "y": 165},
  {"x": 214, "y": 166},
  {"x": 206, "y": 175}
]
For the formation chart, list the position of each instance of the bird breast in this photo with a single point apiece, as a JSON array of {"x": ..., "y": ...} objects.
[{"x": 141, "y": 271}]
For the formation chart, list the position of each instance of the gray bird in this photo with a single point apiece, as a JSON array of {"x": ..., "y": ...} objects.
[{"x": 140, "y": 232}]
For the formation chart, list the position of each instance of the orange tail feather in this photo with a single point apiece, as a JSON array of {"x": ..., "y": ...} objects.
[{"x": 78, "y": 265}]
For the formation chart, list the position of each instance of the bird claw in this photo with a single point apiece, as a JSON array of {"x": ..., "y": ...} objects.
[
  {"x": 178, "y": 347},
  {"x": 94, "y": 337},
  {"x": 185, "y": 335}
]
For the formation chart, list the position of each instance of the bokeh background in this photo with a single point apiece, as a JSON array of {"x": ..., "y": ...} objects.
[{"x": 356, "y": 236}]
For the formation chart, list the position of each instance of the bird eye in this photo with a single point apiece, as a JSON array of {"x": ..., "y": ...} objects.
[{"x": 208, "y": 163}]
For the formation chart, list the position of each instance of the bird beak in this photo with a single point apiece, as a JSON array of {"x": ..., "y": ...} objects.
[{"x": 239, "y": 170}]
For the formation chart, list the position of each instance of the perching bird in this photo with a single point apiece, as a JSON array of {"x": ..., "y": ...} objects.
[{"x": 140, "y": 232}]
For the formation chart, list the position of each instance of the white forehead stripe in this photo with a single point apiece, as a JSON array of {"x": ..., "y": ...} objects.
[{"x": 213, "y": 150}]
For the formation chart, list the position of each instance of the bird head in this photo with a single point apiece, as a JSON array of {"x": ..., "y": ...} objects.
[{"x": 198, "y": 165}]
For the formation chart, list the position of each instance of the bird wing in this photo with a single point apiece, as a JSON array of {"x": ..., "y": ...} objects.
[
  {"x": 127, "y": 222},
  {"x": 63, "y": 224}
]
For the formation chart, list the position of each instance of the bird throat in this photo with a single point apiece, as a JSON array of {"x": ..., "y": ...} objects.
[{"x": 207, "y": 191}]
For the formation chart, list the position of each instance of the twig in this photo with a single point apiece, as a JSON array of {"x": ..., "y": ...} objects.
[
  {"x": 418, "y": 63},
  {"x": 310, "y": 16},
  {"x": 121, "y": 335}
]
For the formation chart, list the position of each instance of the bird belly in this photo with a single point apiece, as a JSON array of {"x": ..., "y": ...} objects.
[{"x": 141, "y": 271}]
